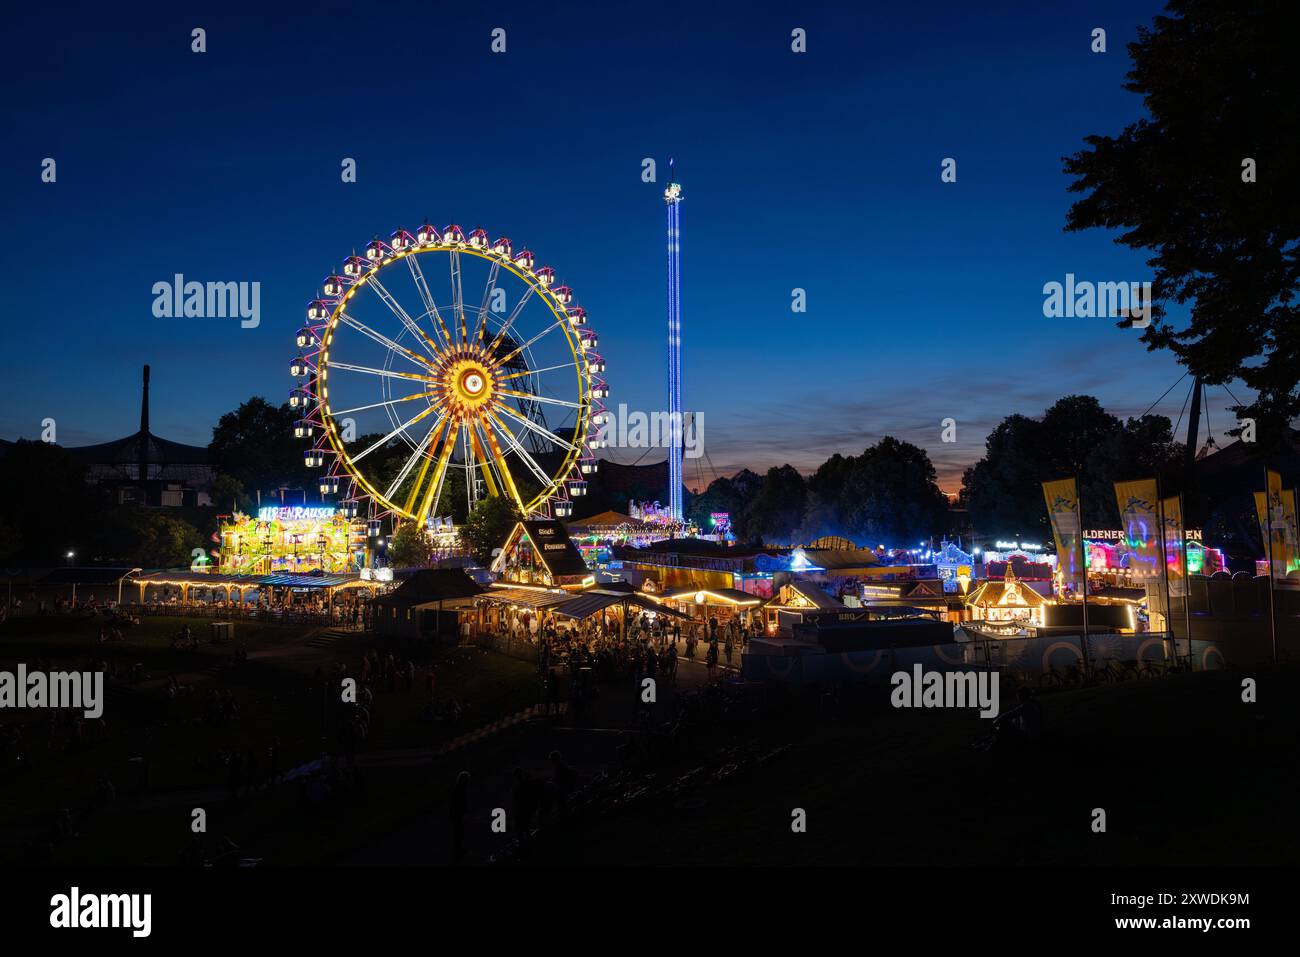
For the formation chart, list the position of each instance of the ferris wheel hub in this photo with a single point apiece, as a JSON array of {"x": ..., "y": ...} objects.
[{"x": 470, "y": 386}]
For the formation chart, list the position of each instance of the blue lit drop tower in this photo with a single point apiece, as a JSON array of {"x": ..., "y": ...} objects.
[{"x": 673, "y": 202}]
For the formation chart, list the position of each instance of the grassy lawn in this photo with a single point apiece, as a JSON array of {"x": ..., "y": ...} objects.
[
  {"x": 285, "y": 694},
  {"x": 51, "y": 634},
  {"x": 1186, "y": 772}
]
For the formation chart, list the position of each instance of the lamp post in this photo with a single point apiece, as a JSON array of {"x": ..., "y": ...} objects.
[{"x": 122, "y": 579}]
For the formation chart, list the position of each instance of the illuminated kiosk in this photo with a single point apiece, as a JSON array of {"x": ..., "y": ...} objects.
[
  {"x": 1009, "y": 603},
  {"x": 722, "y": 604},
  {"x": 538, "y": 567},
  {"x": 294, "y": 539},
  {"x": 954, "y": 566},
  {"x": 796, "y": 601},
  {"x": 1030, "y": 561},
  {"x": 541, "y": 554}
]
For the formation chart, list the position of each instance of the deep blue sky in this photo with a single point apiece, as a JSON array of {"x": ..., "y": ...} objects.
[{"x": 819, "y": 171}]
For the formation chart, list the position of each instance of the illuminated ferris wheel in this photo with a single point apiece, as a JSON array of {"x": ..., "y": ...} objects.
[{"x": 442, "y": 364}]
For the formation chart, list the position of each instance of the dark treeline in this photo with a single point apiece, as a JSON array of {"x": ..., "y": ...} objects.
[{"x": 889, "y": 495}]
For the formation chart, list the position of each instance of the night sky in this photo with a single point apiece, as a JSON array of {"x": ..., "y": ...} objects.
[{"x": 818, "y": 171}]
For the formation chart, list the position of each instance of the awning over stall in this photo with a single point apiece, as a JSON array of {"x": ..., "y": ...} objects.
[
  {"x": 191, "y": 579},
  {"x": 530, "y": 597},
  {"x": 589, "y": 603},
  {"x": 713, "y": 596}
]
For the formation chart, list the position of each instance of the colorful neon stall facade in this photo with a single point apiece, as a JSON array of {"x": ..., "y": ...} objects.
[
  {"x": 293, "y": 539},
  {"x": 1110, "y": 551}
]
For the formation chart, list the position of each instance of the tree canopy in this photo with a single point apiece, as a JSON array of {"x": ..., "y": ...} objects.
[
  {"x": 488, "y": 525},
  {"x": 1075, "y": 437},
  {"x": 411, "y": 546},
  {"x": 47, "y": 504},
  {"x": 777, "y": 511},
  {"x": 1206, "y": 183},
  {"x": 888, "y": 494},
  {"x": 255, "y": 445}
]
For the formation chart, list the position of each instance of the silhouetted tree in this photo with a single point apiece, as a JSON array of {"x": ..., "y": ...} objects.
[
  {"x": 1218, "y": 81},
  {"x": 888, "y": 494},
  {"x": 35, "y": 474},
  {"x": 487, "y": 526},
  {"x": 411, "y": 546},
  {"x": 1075, "y": 437},
  {"x": 778, "y": 510},
  {"x": 255, "y": 445}
]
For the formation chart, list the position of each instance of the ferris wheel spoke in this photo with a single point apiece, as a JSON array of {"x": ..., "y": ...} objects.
[
  {"x": 510, "y": 320},
  {"x": 503, "y": 467},
  {"x": 540, "y": 398},
  {"x": 385, "y": 373},
  {"x": 480, "y": 327},
  {"x": 376, "y": 405},
  {"x": 434, "y": 490},
  {"x": 457, "y": 300},
  {"x": 533, "y": 426},
  {"x": 429, "y": 441},
  {"x": 517, "y": 447},
  {"x": 470, "y": 464},
  {"x": 528, "y": 372},
  {"x": 383, "y": 340},
  {"x": 393, "y": 434},
  {"x": 475, "y": 451},
  {"x": 551, "y": 328},
  {"x": 395, "y": 307},
  {"x": 415, "y": 456},
  {"x": 426, "y": 297},
  {"x": 497, "y": 483}
]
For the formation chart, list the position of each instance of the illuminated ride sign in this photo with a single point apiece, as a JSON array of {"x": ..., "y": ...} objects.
[
  {"x": 294, "y": 539},
  {"x": 295, "y": 513},
  {"x": 1117, "y": 535}
]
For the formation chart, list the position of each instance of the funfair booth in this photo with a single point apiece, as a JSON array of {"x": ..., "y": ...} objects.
[
  {"x": 293, "y": 540},
  {"x": 1112, "y": 557}
]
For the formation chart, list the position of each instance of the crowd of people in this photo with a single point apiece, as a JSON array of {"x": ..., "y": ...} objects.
[
  {"x": 349, "y": 611},
  {"x": 649, "y": 645}
]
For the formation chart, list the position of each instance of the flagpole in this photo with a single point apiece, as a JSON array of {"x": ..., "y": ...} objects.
[
  {"x": 1268, "y": 525},
  {"x": 1171, "y": 649},
  {"x": 1187, "y": 575},
  {"x": 1083, "y": 570}
]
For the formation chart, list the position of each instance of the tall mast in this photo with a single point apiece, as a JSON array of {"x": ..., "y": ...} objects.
[{"x": 672, "y": 202}]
